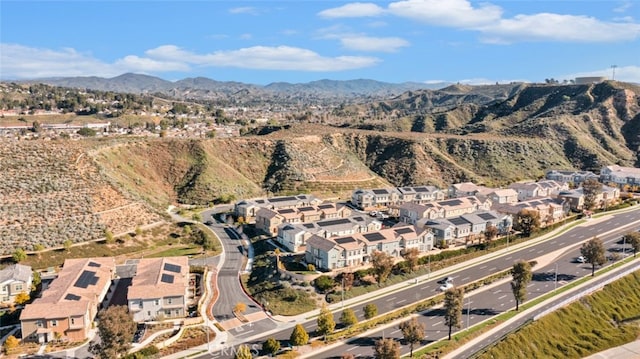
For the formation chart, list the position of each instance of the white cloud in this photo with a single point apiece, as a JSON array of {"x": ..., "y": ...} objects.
[
  {"x": 246, "y": 36},
  {"x": 554, "y": 27},
  {"x": 623, "y": 73},
  {"x": 285, "y": 58},
  {"x": 452, "y": 13},
  {"x": 26, "y": 62},
  {"x": 244, "y": 10},
  {"x": 20, "y": 62},
  {"x": 623, "y": 7},
  {"x": 352, "y": 10},
  {"x": 487, "y": 19},
  {"x": 368, "y": 43}
]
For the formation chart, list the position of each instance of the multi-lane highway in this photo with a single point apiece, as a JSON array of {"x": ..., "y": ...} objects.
[{"x": 481, "y": 305}]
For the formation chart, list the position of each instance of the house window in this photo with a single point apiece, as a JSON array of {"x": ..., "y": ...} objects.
[
  {"x": 54, "y": 323},
  {"x": 140, "y": 304},
  {"x": 169, "y": 301},
  {"x": 167, "y": 312},
  {"x": 73, "y": 321},
  {"x": 148, "y": 312},
  {"x": 39, "y": 323},
  {"x": 18, "y": 287},
  {"x": 157, "y": 302}
]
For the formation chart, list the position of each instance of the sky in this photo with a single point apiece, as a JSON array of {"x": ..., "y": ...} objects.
[{"x": 299, "y": 41}]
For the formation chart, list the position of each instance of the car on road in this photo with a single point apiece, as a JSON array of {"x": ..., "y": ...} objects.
[
  {"x": 445, "y": 287},
  {"x": 581, "y": 259},
  {"x": 445, "y": 280}
]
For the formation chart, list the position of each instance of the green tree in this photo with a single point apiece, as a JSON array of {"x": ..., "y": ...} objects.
[
  {"x": 633, "y": 238},
  {"x": 527, "y": 221},
  {"x": 453, "y": 308},
  {"x": 370, "y": 310},
  {"x": 243, "y": 352},
  {"x": 413, "y": 333},
  {"x": 382, "y": 264},
  {"x": 38, "y": 247},
  {"x": 271, "y": 346},
  {"x": 36, "y": 127},
  {"x": 67, "y": 244},
  {"x": 386, "y": 349},
  {"x": 196, "y": 217},
  {"x": 138, "y": 231},
  {"x": 116, "y": 328},
  {"x": 521, "y": 273},
  {"x": 348, "y": 317},
  {"x": 411, "y": 255},
  {"x": 299, "y": 336},
  {"x": 87, "y": 132},
  {"x": 19, "y": 255},
  {"x": 591, "y": 189},
  {"x": 326, "y": 323},
  {"x": 594, "y": 253}
]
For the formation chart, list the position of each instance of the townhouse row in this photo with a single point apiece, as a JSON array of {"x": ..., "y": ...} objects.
[{"x": 67, "y": 308}]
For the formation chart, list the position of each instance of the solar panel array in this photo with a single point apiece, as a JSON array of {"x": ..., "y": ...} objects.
[
  {"x": 172, "y": 268},
  {"x": 486, "y": 216},
  {"x": 451, "y": 202},
  {"x": 380, "y": 191},
  {"x": 421, "y": 189},
  {"x": 325, "y": 206},
  {"x": 70, "y": 296},
  {"x": 94, "y": 264},
  {"x": 373, "y": 237},
  {"x": 287, "y": 211},
  {"x": 306, "y": 209},
  {"x": 458, "y": 221},
  {"x": 282, "y": 199},
  {"x": 308, "y": 225},
  {"x": 166, "y": 278},
  {"x": 403, "y": 230},
  {"x": 358, "y": 219},
  {"x": 86, "y": 279},
  {"x": 345, "y": 240},
  {"x": 333, "y": 222}
]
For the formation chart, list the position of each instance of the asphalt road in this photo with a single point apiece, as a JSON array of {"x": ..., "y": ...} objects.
[
  {"x": 482, "y": 305},
  {"x": 229, "y": 286}
]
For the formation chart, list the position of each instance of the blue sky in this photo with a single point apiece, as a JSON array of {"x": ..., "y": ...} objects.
[{"x": 305, "y": 40}]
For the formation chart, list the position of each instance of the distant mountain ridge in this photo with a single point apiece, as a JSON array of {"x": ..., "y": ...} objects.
[{"x": 205, "y": 88}]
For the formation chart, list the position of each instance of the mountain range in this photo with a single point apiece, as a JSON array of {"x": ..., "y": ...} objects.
[{"x": 205, "y": 88}]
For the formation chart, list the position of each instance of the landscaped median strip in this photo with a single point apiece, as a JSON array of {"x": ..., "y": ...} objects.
[{"x": 462, "y": 337}]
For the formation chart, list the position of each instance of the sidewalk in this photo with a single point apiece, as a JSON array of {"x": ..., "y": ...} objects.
[{"x": 627, "y": 351}]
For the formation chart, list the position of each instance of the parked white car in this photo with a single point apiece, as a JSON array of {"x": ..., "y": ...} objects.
[
  {"x": 581, "y": 259},
  {"x": 446, "y": 286}
]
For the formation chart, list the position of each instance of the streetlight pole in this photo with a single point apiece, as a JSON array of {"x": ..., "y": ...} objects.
[
  {"x": 624, "y": 243},
  {"x": 429, "y": 266},
  {"x": 555, "y": 286},
  {"x": 342, "y": 290},
  {"x": 468, "y": 311}
]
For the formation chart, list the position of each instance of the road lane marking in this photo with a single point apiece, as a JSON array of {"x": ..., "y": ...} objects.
[
  {"x": 390, "y": 299},
  {"x": 438, "y": 323},
  {"x": 395, "y": 331},
  {"x": 502, "y": 297},
  {"x": 401, "y": 301},
  {"x": 483, "y": 267},
  {"x": 354, "y": 348},
  {"x": 465, "y": 278},
  {"x": 509, "y": 257}
]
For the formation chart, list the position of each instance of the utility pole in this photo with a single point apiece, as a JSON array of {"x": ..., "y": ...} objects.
[
  {"x": 468, "y": 311},
  {"x": 613, "y": 69},
  {"x": 343, "y": 291}
]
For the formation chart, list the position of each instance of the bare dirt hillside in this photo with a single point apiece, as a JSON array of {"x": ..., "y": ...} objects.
[{"x": 52, "y": 191}]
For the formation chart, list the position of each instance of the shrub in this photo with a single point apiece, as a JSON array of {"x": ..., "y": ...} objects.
[{"x": 324, "y": 283}]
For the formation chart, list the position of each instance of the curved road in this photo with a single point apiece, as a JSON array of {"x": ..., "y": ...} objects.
[
  {"x": 233, "y": 262},
  {"x": 481, "y": 305}
]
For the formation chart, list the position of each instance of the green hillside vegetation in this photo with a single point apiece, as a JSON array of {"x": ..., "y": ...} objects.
[{"x": 592, "y": 324}]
